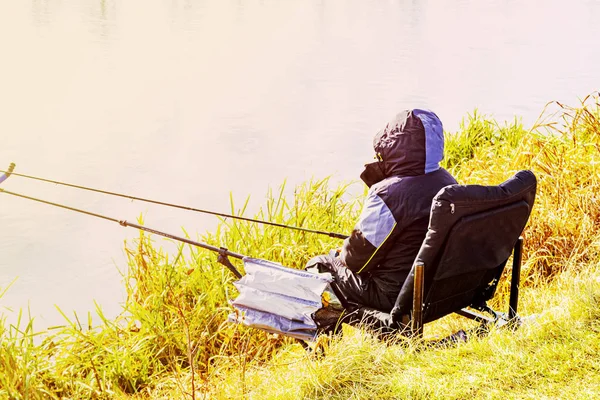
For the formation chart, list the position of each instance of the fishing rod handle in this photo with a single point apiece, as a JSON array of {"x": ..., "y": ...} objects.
[{"x": 338, "y": 235}]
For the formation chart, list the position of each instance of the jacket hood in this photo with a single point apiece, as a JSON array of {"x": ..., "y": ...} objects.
[{"x": 410, "y": 144}]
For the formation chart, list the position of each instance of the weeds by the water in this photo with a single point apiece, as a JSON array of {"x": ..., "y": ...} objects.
[
  {"x": 172, "y": 339},
  {"x": 173, "y": 328}
]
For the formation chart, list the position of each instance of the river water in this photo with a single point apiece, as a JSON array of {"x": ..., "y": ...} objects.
[{"x": 189, "y": 101}]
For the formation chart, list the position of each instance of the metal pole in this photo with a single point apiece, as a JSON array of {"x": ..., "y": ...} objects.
[
  {"x": 515, "y": 279},
  {"x": 417, "y": 313}
]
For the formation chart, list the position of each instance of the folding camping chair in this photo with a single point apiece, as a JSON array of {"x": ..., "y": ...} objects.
[{"x": 473, "y": 230}]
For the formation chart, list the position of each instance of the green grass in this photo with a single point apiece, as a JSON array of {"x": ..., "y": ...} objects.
[{"x": 172, "y": 341}]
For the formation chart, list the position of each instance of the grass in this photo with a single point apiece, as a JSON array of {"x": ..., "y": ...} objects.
[
  {"x": 563, "y": 150},
  {"x": 556, "y": 354},
  {"x": 172, "y": 341}
]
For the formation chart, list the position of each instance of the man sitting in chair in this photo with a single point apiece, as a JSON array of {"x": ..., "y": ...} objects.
[{"x": 376, "y": 259}]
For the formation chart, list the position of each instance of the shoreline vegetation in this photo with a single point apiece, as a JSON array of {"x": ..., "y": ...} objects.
[{"x": 172, "y": 339}]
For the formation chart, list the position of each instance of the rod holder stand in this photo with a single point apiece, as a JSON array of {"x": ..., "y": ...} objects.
[{"x": 224, "y": 260}]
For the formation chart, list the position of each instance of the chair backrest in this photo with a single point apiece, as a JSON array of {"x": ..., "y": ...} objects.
[{"x": 472, "y": 231}]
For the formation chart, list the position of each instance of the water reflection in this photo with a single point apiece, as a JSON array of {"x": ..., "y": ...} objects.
[
  {"x": 41, "y": 11},
  {"x": 102, "y": 17}
]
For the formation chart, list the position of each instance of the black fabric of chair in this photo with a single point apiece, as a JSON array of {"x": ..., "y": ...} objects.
[{"x": 472, "y": 232}]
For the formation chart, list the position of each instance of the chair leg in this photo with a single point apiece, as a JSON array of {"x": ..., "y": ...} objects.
[
  {"x": 417, "y": 313},
  {"x": 515, "y": 280}
]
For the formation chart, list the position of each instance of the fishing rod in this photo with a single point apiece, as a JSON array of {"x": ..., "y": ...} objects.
[
  {"x": 222, "y": 251},
  {"x": 330, "y": 234}
]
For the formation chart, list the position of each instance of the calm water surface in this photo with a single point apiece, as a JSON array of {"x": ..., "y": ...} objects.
[{"x": 187, "y": 101}]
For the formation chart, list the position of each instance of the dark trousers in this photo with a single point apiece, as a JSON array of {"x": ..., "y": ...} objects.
[{"x": 356, "y": 289}]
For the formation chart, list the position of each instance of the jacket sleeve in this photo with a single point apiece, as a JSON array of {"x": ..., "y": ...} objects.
[{"x": 360, "y": 251}]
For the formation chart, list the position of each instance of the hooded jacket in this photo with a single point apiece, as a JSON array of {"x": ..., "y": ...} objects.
[{"x": 402, "y": 183}]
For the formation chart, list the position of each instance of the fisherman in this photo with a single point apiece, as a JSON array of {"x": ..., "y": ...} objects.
[{"x": 375, "y": 260}]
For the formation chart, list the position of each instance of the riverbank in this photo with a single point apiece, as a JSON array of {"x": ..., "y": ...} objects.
[{"x": 172, "y": 340}]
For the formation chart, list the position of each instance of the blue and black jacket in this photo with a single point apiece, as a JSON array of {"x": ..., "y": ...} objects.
[{"x": 393, "y": 223}]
